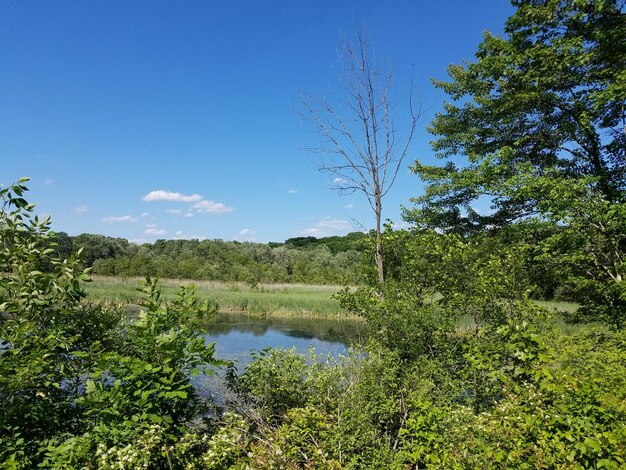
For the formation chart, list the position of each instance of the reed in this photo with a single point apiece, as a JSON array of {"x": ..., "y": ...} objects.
[
  {"x": 263, "y": 299},
  {"x": 268, "y": 299}
]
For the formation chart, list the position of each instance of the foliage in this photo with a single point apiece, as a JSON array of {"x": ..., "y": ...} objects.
[
  {"x": 308, "y": 259},
  {"x": 591, "y": 252},
  {"x": 537, "y": 129},
  {"x": 297, "y": 443},
  {"x": 28, "y": 290},
  {"x": 336, "y": 244},
  {"x": 520, "y": 397},
  {"x": 100, "y": 247},
  {"x": 436, "y": 282},
  {"x": 275, "y": 380},
  {"x": 531, "y": 239},
  {"x": 546, "y": 100},
  {"x": 463, "y": 370},
  {"x": 79, "y": 382}
]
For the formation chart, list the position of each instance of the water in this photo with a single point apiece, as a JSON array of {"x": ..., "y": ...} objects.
[{"x": 236, "y": 335}]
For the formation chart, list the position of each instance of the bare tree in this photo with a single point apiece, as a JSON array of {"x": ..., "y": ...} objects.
[{"x": 360, "y": 143}]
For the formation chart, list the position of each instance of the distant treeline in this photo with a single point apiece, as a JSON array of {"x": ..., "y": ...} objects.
[{"x": 328, "y": 260}]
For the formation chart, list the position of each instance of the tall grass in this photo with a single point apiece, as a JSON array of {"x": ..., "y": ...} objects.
[
  {"x": 285, "y": 299},
  {"x": 271, "y": 299}
]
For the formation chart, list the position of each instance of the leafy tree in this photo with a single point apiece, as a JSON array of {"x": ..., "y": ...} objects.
[
  {"x": 436, "y": 282},
  {"x": 64, "y": 245},
  {"x": 99, "y": 246},
  {"x": 34, "y": 284},
  {"x": 537, "y": 126},
  {"x": 325, "y": 260},
  {"x": 545, "y": 100},
  {"x": 591, "y": 250}
]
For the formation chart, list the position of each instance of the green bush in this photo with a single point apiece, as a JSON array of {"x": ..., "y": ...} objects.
[
  {"x": 80, "y": 382},
  {"x": 83, "y": 386}
]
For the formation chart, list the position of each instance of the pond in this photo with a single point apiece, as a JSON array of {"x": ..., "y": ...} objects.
[{"x": 237, "y": 334}]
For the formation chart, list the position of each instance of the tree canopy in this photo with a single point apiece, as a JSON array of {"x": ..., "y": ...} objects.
[
  {"x": 537, "y": 126},
  {"x": 544, "y": 104}
]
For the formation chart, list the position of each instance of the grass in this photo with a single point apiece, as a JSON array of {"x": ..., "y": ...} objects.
[
  {"x": 268, "y": 299},
  {"x": 559, "y": 306}
]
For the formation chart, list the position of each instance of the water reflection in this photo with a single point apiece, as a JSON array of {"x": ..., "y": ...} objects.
[{"x": 237, "y": 334}]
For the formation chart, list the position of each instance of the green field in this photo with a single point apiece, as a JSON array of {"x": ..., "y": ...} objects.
[
  {"x": 266, "y": 299},
  {"x": 275, "y": 299}
]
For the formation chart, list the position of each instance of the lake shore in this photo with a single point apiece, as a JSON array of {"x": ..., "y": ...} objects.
[
  {"x": 237, "y": 298},
  {"x": 275, "y": 300}
]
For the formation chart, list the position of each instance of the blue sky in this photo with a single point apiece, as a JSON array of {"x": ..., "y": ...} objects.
[{"x": 152, "y": 119}]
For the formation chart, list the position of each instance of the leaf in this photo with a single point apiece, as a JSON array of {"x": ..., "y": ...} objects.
[
  {"x": 90, "y": 387},
  {"x": 79, "y": 354}
]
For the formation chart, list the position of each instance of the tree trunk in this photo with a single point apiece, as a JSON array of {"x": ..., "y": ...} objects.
[{"x": 379, "y": 252}]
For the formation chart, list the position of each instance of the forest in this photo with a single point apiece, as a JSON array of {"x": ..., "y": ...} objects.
[
  {"x": 463, "y": 369},
  {"x": 329, "y": 260}
]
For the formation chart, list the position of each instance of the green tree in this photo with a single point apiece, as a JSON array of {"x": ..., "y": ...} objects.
[
  {"x": 547, "y": 97},
  {"x": 537, "y": 126},
  {"x": 99, "y": 246},
  {"x": 64, "y": 245}
]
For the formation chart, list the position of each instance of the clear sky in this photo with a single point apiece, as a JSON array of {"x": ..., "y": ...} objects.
[{"x": 153, "y": 119}]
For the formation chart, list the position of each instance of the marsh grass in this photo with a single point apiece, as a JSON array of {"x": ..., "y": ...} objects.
[
  {"x": 267, "y": 299},
  {"x": 558, "y": 306},
  {"x": 563, "y": 310},
  {"x": 270, "y": 299}
]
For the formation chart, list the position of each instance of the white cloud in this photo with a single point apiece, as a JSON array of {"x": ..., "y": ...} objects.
[
  {"x": 292, "y": 191},
  {"x": 339, "y": 180},
  {"x": 145, "y": 214},
  {"x": 335, "y": 224},
  {"x": 212, "y": 207},
  {"x": 81, "y": 209},
  {"x": 245, "y": 234},
  {"x": 349, "y": 206},
  {"x": 184, "y": 213},
  {"x": 161, "y": 195},
  {"x": 313, "y": 231},
  {"x": 155, "y": 231},
  {"x": 49, "y": 181},
  {"x": 328, "y": 226},
  {"x": 179, "y": 235},
  {"x": 200, "y": 205},
  {"x": 121, "y": 218},
  {"x": 139, "y": 241},
  {"x": 151, "y": 225}
]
